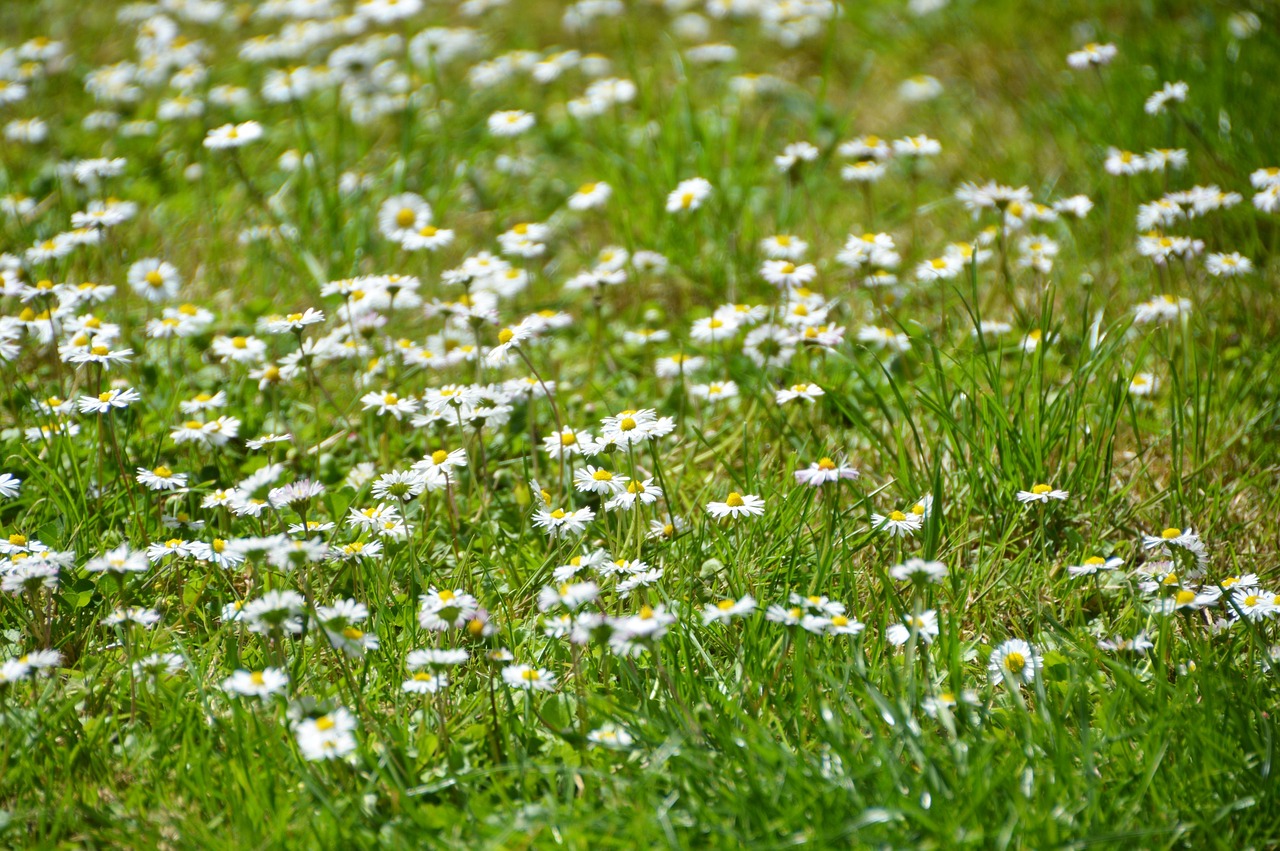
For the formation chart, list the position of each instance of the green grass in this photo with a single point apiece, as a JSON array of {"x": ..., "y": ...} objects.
[{"x": 749, "y": 733}]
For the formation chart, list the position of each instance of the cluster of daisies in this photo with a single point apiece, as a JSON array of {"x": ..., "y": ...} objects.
[{"x": 447, "y": 388}]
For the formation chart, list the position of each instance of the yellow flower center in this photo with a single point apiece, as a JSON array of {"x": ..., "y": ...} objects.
[
  {"x": 439, "y": 457},
  {"x": 530, "y": 675},
  {"x": 155, "y": 279},
  {"x": 826, "y": 464},
  {"x": 897, "y": 516},
  {"x": 353, "y": 634},
  {"x": 1040, "y": 490},
  {"x": 558, "y": 514},
  {"x": 1171, "y": 533},
  {"x": 505, "y": 335},
  {"x": 18, "y": 540},
  {"x": 1094, "y": 560},
  {"x": 839, "y": 620},
  {"x": 724, "y": 605},
  {"x": 626, "y": 424},
  {"x": 734, "y": 500},
  {"x": 239, "y": 342},
  {"x": 602, "y": 476},
  {"x": 1015, "y": 662},
  {"x": 405, "y": 217},
  {"x": 324, "y": 723},
  {"x": 162, "y": 472},
  {"x": 1185, "y": 597},
  {"x": 257, "y": 678}
]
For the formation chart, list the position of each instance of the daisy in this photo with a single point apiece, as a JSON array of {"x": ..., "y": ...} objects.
[
  {"x": 404, "y": 215},
  {"x": 260, "y": 684},
  {"x": 1042, "y": 494},
  {"x": 1092, "y": 55},
  {"x": 161, "y": 479},
  {"x": 527, "y": 678},
  {"x": 1093, "y": 564},
  {"x": 784, "y": 247},
  {"x": 387, "y": 402},
  {"x": 897, "y": 524},
  {"x": 806, "y": 392},
  {"x": 919, "y": 570},
  {"x": 1143, "y": 384},
  {"x": 119, "y": 560},
  {"x": 688, "y": 195},
  {"x": 737, "y": 505},
  {"x": 1013, "y": 661},
  {"x": 643, "y": 491},
  {"x": 233, "y": 135},
  {"x": 327, "y": 737},
  {"x": 510, "y": 122},
  {"x": 154, "y": 279},
  {"x": 726, "y": 610},
  {"x": 924, "y": 626},
  {"x": 561, "y": 523},
  {"x": 590, "y": 196},
  {"x": 599, "y": 481},
  {"x": 715, "y": 391},
  {"x": 784, "y": 273},
  {"x": 9, "y": 485},
  {"x": 823, "y": 471},
  {"x": 1227, "y": 265},
  {"x": 1140, "y": 643}
]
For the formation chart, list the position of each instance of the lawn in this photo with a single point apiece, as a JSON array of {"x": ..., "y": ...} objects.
[{"x": 741, "y": 423}]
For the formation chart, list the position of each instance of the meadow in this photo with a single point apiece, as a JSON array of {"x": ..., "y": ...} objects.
[{"x": 639, "y": 423}]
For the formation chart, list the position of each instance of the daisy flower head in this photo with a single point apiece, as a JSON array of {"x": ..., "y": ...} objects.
[
  {"x": 1015, "y": 662},
  {"x": 590, "y": 196},
  {"x": 897, "y": 523},
  {"x": 737, "y": 505},
  {"x": 1093, "y": 564},
  {"x": 154, "y": 279},
  {"x": 805, "y": 392},
  {"x": 726, "y": 610},
  {"x": 919, "y": 570},
  {"x": 559, "y": 523},
  {"x": 1174, "y": 540},
  {"x": 597, "y": 480},
  {"x": 261, "y": 684},
  {"x": 441, "y": 610},
  {"x": 1092, "y": 55},
  {"x": 825, "y": 470},
  {"x": 1227, "y": 265},
  {"x": 1041, "y": 493},
  {"x": 612, "y": 737},
  {"x": 784, "y": 247},
  {"x": 528, "y": 678},
  {"x": 402, "y": 216},
  {"x": 786, "y": 274},
  {"x": 327, "y": 737},
  {"x": 923, "y": 626},
  {"x": 1143, "y": 384},
  {"x": 230, "y": 136},
  {"x": 1140, "y": 643},
  {"x": 688, "y": 195},
  {"x": 511, "y": 122},
  {"x": 1169, "y": 93},
  {"x": 161, "y": 478}
]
